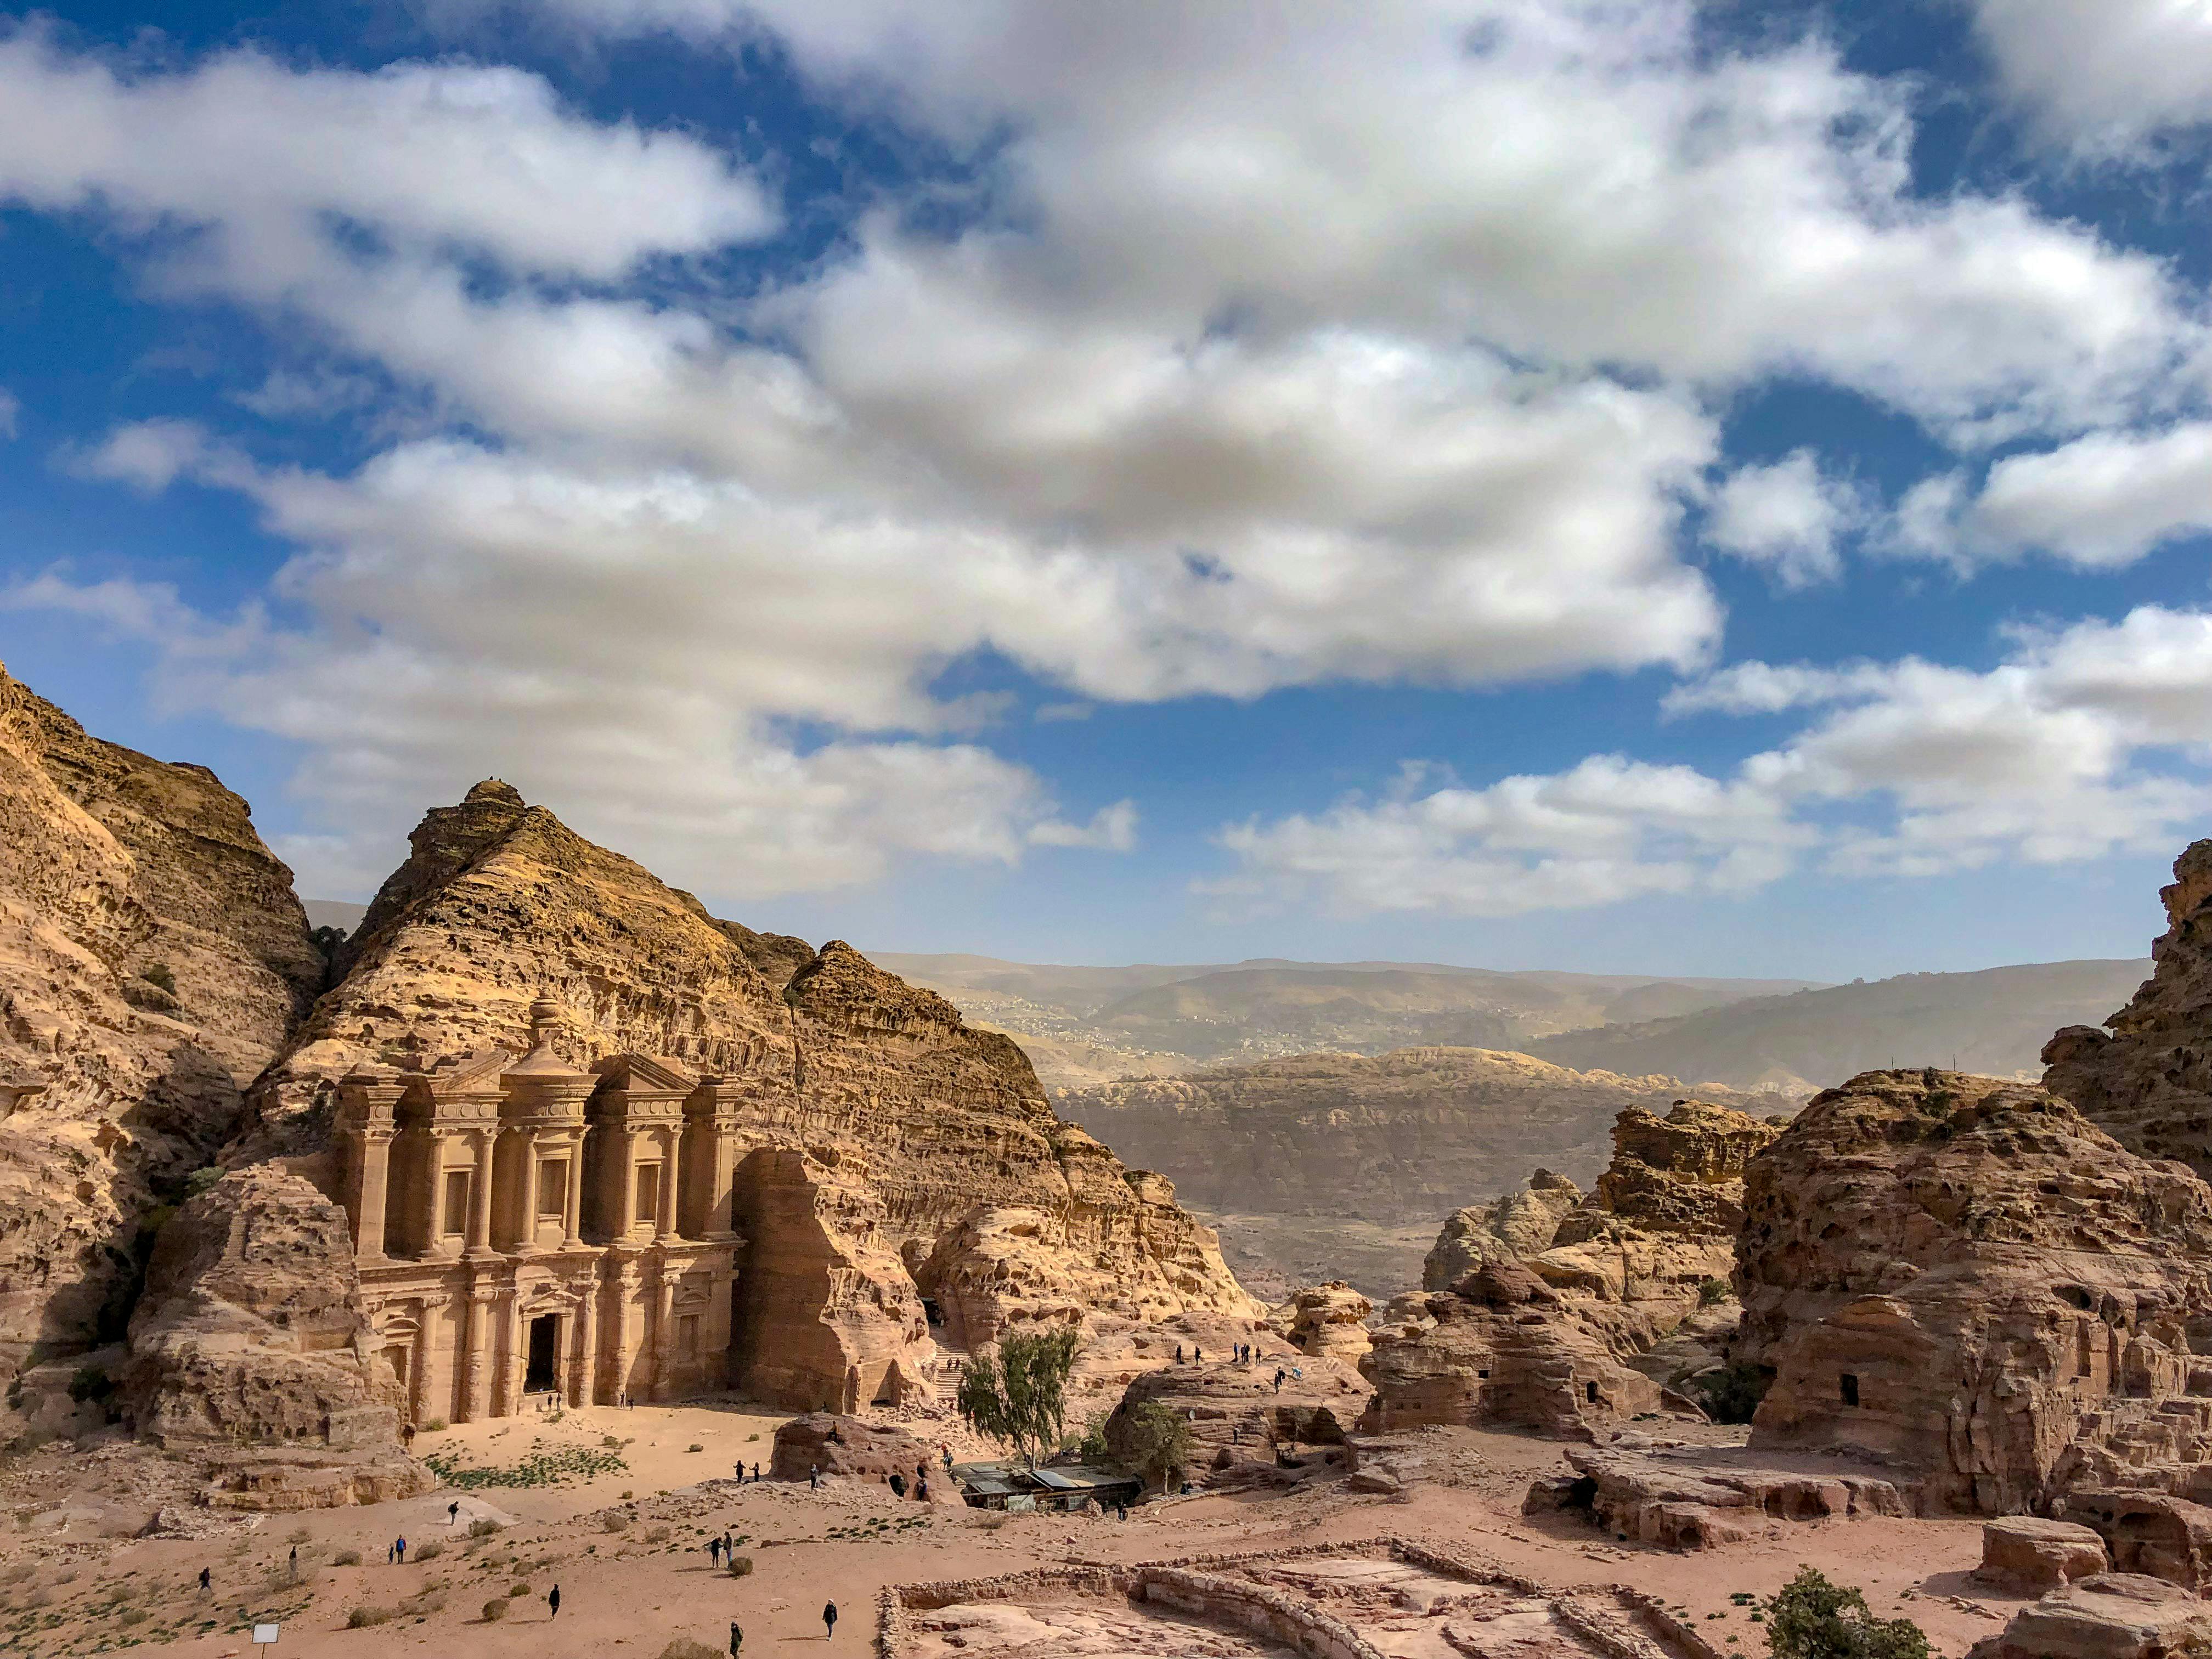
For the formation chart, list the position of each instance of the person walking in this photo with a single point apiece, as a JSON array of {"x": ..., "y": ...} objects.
[
  {"x": 814, "y": 1477},
  {"x": 1178, "y": 1353},
  {"x": 454, "y": 1512},
  {"x": 828, "y": 1620},
  {"x": 737, "y": 1639},
  {"x": 207, "y": 1582},
  {"x": 292, "y": 1562},
  {"x": 399, "y": 1547},
  {"x": 553, "y": 1601},
  {"x": 947, "y": 1453},
  {"x": 729, "y": 1550},
  {"x": 715, "y": 1551}
]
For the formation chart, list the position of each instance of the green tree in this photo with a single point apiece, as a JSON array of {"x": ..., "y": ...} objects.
[
  {"x": 1158, "y": 1441},
  {"x": 1810, "y": 1618},
  {"x": 1018, "y": 1395}
]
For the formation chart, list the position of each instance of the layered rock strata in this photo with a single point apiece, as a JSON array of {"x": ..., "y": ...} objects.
[
  {"x": 863, "y": 1122},
  {"x": 2107, "y": 1615},
  {"x": 153, "y": 959},
  {"x": 1239, "y": 1413},
  {"x": 1699, "y": 1499},
  {"x": 249, "y": 1351},
  {"x": 1330, "y": 1321},
  {"x": 1967, "y": 1279}
]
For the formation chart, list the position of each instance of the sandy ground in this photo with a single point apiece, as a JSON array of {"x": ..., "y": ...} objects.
[{"x": 66, "y": 1589}]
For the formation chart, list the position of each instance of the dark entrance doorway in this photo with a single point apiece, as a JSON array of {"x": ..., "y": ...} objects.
[{"x": 544, "y": 1332}]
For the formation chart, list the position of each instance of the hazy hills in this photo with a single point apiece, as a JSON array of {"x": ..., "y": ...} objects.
[{"x": 1993, "y": 1022}]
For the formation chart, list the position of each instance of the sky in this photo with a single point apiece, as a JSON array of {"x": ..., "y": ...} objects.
[{"x": 1653, "y": 487}]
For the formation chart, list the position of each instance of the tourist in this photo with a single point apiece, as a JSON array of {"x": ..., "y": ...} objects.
[
  {"x": 1178, "y": 1353},
  {"x": 715, "y": 1551},
  {"x": 729, "y": 1550},
  {"x": 741, "y": 1473},
  {"x": 399, "y": 1550},
  {"x": 947, "y": 1453},
  {"x": 737, "y": 1639},
  {"x": 292, "y": 1561},
  {"x": 454, "y": 1512},
  {"x": 922, "y": 1492},
  {"x": 1279, "y": 1374},
  {"x": 756, "y": 1471},
  {"x": 553, "y": 1601},
  {"x": 814, "y": 1477},
  {"x": 828, "y": 1620},
  {"x": 207, "y": 1580}
]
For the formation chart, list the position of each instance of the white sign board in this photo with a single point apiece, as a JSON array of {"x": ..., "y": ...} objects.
[{"x": 263, "y": 1635}]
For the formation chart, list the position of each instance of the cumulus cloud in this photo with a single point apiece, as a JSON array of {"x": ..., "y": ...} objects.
[
  {"x": 2086, "y": 740},
  {"x": 1787, "y": 516},
  {"x": 2101, "y": 503},
  {"x": 2107, "y": 77}
]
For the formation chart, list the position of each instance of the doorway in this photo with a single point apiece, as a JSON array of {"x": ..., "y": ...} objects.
[{"x": 545, "y": 1334}]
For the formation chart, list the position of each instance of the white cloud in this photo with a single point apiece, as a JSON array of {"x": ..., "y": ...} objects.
[
  {"x": 11, "y": 411},
  {"x": 2086, "y": 741},
  {"x": 1113, "y": 828},
  {"x": 1787, "y": 516},
  {"x": 2103, "y": 76}
]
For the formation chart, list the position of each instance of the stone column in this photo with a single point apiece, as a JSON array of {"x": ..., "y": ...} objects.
[
  {"x": 516, "y": 1355},
  {"x": 434, "y": 1194},
  {"x": 480, "y": 1195},
  {"x": 664, "y": 1335},
  {"x": 526, "y": 1232},
  {"x": 418, "y": 1366},
  {"x": 375, "y": 1182},
  {"x": 475, "y": 1338},
  {"x": 664, "y": 1222},
  {"x": 626, "y": 1215},
  {"x": 625, "y": 1286},
  {"x": 572, "y": 1215},
  {"x": 583, "y": 1364}
]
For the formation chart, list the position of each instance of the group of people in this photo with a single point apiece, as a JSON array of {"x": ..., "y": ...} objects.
[{"x": 1240, "y": 1354}]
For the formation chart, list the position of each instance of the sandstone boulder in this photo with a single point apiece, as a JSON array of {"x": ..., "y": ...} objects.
[
  {"x": 2108, "y": 1615},
  {"x": 1701, "y": 1498},
  {"x": 2151, "y": 1533},
  {"x": 1330, "y": 1321},
  {"x": 844, "y": 1446},
  {"x": 249, "y": 1351},
  {"x": 1519, "y": 1224},
  {"x": 1501, "y": 1348},
  {"x": 152, "y": 959},
  {"x": 2025, "y": 1554},
  {"x": 1239, "y": 1415},
  {"x": 1966, "y": 1278}
]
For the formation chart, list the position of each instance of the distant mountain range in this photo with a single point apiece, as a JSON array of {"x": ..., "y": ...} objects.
[{"x": 1995, "y": 1022}]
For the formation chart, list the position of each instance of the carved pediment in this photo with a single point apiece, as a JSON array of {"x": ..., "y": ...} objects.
[{"x": 654, "y": 1074}]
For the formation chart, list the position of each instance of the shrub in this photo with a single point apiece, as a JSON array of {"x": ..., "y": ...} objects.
[
  {"x": 361, "y": 1617},
  {"x": 611, "y": 1523},
  {"x": 684, "y": 1648},
  {"x": 656, "y": 1534},
  {"x": 435, "y": 1425},
  {"x": 495, "y": 1610},
  {"x": 1732, "y": 1395},
  {"x": 518, "y": 1589},
  {"x": 346, "y": 1559},
  {"x": 1813, "y": 1619},
  {"x": 429, "y": 1552},
  {"x": 1019, "y": 1395},
  {"x": 483, "y": 1528},
  {"x": 1713, "y": 1290},
  {"x": 612, "y": 1442},
  {"x": 131, "y": 1616},
  {"x": 162, "y": 975},
  {"x": 1159, "y": 1441},
  {"x": 741, "y": 1566},
  {"x": 695, "y": 1446}
]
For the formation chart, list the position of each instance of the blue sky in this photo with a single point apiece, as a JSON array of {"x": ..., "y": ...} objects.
[{"x": 1645, "y": 488}]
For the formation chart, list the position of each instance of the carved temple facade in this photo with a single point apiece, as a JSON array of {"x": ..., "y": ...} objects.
[{"x": 526, "y": 1230}]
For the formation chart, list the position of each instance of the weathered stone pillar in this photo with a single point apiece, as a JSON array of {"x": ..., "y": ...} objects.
[
  {"x": 480, "y": 1195},
  {"x": 475, "y": 1338},
  {"x": 418, "y": 1366},
  {"x": 663, "y": 1220},
  {"x": 434, "y": 1194},
  {"x": 584, "y": 1363},
  {"x": 572, "y": 1214},
  {"x": 626, "y": 1215},
  {"x": 375, "y": 1183},
  {"x": 664, "y": 1336},
  {"x": 507, "y": 1398},
  {"x": 625, "y": 1289}
]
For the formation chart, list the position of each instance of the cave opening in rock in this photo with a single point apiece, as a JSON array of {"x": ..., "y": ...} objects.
[{"x": 1848, "y": 1386}]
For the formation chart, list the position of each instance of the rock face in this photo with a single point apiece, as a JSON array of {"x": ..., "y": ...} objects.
[
  {"x": 1399, "y": 1137},
  {"x": 1509, "y": 1229},
  {"x": 2148, "y": 1081},
  {"x": 1698, "y": 1498},
  {"x": 249, "y": 1349},
  {"x": 871, "y": 1120},
  {"x": 1502, "y": 1348},
  {"x": 152, "y": 960},
  {"x": 2108, "y": 1615},
  {"x": 2023, "y": 1553},
  {"x": 1966, "y": 1278},
  {"x": 1330, "y": 1321},
  {"x": 1237, "y": 1413},
  {"x": 823, "y": 1443}
]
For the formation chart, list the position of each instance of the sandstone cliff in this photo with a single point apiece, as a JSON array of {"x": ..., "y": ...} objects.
[
  {"x": 153, "y": 959},
  {"x": 1966, "y": 1277},
  {"x": 873, "y": 1120},
  {"x": 1399, "y": 1137},
  {"x": 2148, "y": 1081}
]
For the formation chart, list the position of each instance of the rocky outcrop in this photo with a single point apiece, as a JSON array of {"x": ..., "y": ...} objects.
[
  {"x": 1700, "y": 1497},
  {"x": 1966, "y": 1278},
  {"x": 152, "y": 960},
  {"x": 2108, "y": 1615},
  {"x": 831, "y": 1445},
  {"x": 1508, "y": 1229},
  {"x": 1330, "y": 1321},
  {"x": 249, "y": 1351},
  {"x": 2027, "y": 1554},
  {"x": 2147, "y": 1079},
  {"x": 1501, "y": 1349},
  {"x": 872, "y": 1121},
  {"x": 1239, "y": 1414},
  {"x": 1400, "y": 1137}
]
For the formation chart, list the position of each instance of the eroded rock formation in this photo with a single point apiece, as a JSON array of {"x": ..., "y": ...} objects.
[
  {"x": 1330, "y": 1321},
  {"x": 1238, "y": 1412},
  {"x": 249, "y": 1351},
  {"x": 1968, "y": 1279},
  {"x": 1509, "y": 1229},
  {"x": 1502, "y": 1348},
  {"x": 152, "y": 960}
]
